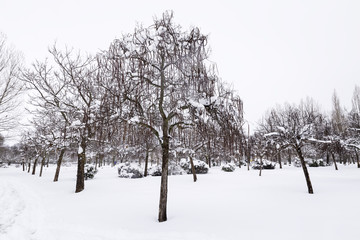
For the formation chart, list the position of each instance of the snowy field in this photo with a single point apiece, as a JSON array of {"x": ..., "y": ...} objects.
[{"x": 238, "y": 205}]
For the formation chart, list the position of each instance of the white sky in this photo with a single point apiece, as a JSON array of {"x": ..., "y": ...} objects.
[{"x": 271, "y": 51}]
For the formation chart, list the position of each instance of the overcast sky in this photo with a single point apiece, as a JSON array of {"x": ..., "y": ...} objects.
[{"x": 272, "y": 51}]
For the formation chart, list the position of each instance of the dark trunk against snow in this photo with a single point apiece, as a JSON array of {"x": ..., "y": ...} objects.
[
  {"x": 208, "y": 157},
  {"x": 333, "y": 157},
  {"x": 306, "y": 173},
  {"x": 34, "y": 166},
  {"x": 164, "y": 179},
  {"x": 146, "y": 162},
  {"x": 58, "y": 165},
  {"x": 42, "y": 164},
  {"x": 327, "y": 158},
  {"x": 47, "y": 162},
  {"x": 279, "y": 159},
  {"x": 29, "y": 165},
  {"x": 193, "y": 169},
  {"x": 80, "y": 182},
  {"x": 248, "y": 159},
  {"x": 357, "y": 158},
  {"x": 289, "y": 159}
]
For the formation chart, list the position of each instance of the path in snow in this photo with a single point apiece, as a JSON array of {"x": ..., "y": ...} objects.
[{"x": 20, "y": 212}]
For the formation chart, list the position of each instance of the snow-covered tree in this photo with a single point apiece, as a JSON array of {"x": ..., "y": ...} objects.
[
  {"x": 10, "y": 86},
  {"x": 294, "y": 126},
  {"x": 164, "y": 76}
]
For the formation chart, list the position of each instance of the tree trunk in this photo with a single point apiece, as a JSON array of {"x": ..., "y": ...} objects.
[
  {"x": 96, "y": 161},
  {"x": 261, "y": 166},
  {"x": 58, "y": 166},
  {"x": 335, "y": 164},
  {"x": 248, "y": 159},
  {"x": 193, "y": 169},
  {"x": 42, "y": 165},
  {"x": 146, "y": 163},
  {"x": 113, "y": 160},
  {"x": 306, "y": 173},
  {"x": 357, "y": 158},
  {"x": 101, "y": 160},
  {"x": 29, "y": 165},
  {"x": 340, "y": 159},
  {"x": 327, "y": 158},
  {"x": 23, "y": 166},
  {"x": 34, "y": 166},
  {"x": 279, "y": 159},
  {"x": 164, "y": 180},
  {"x": 80, "y": 182},
  {"x": 47, "y": 162},
  {"x": 208, "y": 157},
  {"x": 289, "y": 160}
]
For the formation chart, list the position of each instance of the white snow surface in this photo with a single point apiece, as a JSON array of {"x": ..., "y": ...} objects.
[{"x": 220, "y": 205}]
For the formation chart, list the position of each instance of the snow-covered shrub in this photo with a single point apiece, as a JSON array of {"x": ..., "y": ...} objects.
[
  {"x": 3, "y": 165},
  {"x": 200, "y": 166},
  {"x": 297, "y": 162},
  {"x": 229, "y": 167},
  {"x": 90, "y": 171},
  {"x": 155, "y": 170},
  {"x": 317, "y": 163},
  {"x": 126, "y": 170},
  {"x": 174, "y": 169},
  {"x": 66, "y": 164},
  {"x": 266, "y": 164}
]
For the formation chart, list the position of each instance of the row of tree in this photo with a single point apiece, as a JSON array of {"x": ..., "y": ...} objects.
[
  {"x": 305, "y": 131},
  {"x": 154, "y": 91},
  {"x": 154, "y": 97}
]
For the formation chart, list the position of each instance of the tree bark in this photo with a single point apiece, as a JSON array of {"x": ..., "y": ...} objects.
[
  {"x": 42, "y": 164},
  {"x": 289, "y": 159},
  {"x": 261, "y": 166},
  {"x": 80, "y": 178},
  {"x": 306, "y": 173},
  {"x": 47, "y": 162},
  {"x": 58, "y": 166},
  {"x": 146, "y": 163},
  {"x": 335, "y": 164},
  {"x": 357, "y": 158},
  {"x": 327, "y": 158},
  {"x": 34, "y": 166},
  {"x": 164, "y": 180},
  {"x": 279, "y": 159},
  {"x": 193, "y": 169}
]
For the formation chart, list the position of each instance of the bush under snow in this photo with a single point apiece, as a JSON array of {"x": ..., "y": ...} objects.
[
  {"x": 174, "y": 169},
  {"x": 126, "y": 170},
  {"x": 90, "y": 171},
  {"x": 316, "y": 163},
  {"x": 266, "y": 164},
  {"x": 229, "y": 167},
  {"x": 200, "y": 166}
]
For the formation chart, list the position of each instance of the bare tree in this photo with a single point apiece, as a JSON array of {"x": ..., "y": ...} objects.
[
  {"x": 353, "y": 140},
  {"x": 294, "y": 127},
  {"x": 163, "y": 76},
  {"x": 10, "y": 86}
]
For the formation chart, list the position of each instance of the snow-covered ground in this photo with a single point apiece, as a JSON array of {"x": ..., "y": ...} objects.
[{"x": 221, "y": 205}]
